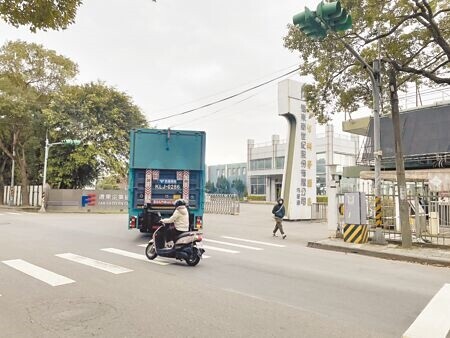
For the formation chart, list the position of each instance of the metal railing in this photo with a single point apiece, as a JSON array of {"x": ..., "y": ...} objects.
[
  {"x": 227, "y": 204},
  {"x": 319, "y": 211}
]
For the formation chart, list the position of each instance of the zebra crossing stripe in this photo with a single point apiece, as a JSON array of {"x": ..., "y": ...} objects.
[
  {"x": 133, "y": 255},
  {"x": 433, "y": 321},
  {"x": 233, "y": 244},
  {"x": 115, "y": 269},
  {"x": 213, "y": 248},
  {"x": 255, "y": 242},
  {"x": 39, "y": 273}
]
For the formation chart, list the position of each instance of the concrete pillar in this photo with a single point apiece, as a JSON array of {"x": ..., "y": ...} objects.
[{"x": 299, "y": 180}]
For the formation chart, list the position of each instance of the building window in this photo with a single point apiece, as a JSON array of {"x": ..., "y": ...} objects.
[
  {"x": 261, "y": 164},
  {"x": 279, "y": 162},
  {"x": 234, "y": 171},
  {"x": 258, "y": 185},
  {"x": 243, "y": 171},
  {"x": 218, "y": 173},
  {"x": 223, "y": 172},
  {"x": 229, "y": 172}
]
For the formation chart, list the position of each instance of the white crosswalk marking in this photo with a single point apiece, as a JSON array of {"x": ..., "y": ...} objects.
[
  {"x": 433, "y": 321},
  {"x": 255, "y": 242},
  {"x": 13, "y": 213},
  {"x": 39, "y": 273},
  {"x": 233, "y": 244},
  {"x": 133, "y": 255},
  {"x": 213, "y": 248},
  {"x": 115, "y": 269}
]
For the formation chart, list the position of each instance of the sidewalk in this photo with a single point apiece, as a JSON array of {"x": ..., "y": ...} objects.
[
  {"x": 18, "y": 208},
  {"x": 422, "y": 255}
]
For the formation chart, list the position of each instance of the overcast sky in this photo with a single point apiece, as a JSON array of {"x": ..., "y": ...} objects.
[{"x": 174, "y": 55}]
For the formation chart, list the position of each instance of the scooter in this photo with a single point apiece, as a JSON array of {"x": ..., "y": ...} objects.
[{"x": 187, "y": 246}]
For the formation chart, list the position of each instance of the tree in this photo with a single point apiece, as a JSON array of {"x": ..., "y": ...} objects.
[
  {"x": 101, "y": 117},
  {"x": 223, "y": 186},
  {"x": 239, "y": 186},
  {"x": 29, "y": 75},
  {"x": 39, "y": 14},
  {"x": 413, "y": 37},
  {"x": 210, "y": 188},
  {"x": 410, "y": 37}
]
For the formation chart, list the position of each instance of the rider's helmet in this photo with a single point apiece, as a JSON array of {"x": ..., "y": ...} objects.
[{"x": 179, "y": 202}]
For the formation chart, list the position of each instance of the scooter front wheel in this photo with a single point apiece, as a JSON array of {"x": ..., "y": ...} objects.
[{"x": 150, "y": 251}]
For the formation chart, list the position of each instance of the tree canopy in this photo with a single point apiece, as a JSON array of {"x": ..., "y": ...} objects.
[
  {"x": 101, "y": 117},
  {"x": 39, "y": 14},
  {"x": 414, "y": 38},
  {"x": 29, "y": 76}
]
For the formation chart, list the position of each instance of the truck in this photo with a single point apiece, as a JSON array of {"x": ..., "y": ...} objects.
[{"x": 165, "y": 165}]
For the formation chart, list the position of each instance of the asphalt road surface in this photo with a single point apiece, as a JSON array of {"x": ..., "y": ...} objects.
[{"x": 85, "y": 275}]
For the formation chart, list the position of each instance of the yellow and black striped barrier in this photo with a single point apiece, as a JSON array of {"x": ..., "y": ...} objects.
[
  {"x": 378, "y": 214},
  {"x": 356, "y": 233}
]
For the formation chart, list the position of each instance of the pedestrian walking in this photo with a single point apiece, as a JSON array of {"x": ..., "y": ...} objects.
[{"x": 279, "y": 211}]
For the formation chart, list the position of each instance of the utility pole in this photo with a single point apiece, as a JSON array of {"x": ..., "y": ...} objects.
[{"x": 44, "y": 180}]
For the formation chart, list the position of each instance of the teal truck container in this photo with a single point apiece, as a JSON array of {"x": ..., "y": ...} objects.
[{"x": 165, "y": 165}]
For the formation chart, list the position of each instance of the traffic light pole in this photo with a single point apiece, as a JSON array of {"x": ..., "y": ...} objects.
[
  {"x": 44, "y": 180},
  {"x": 374, "y": 74}
]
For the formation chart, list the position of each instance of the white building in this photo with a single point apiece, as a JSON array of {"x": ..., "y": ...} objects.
[{"x": 265, "y": 163}]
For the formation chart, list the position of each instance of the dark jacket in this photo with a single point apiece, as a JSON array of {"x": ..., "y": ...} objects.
[{"x": 279, "y": 211}]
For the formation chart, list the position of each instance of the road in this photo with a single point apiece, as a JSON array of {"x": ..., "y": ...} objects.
[{"x": 274, "y": 288}]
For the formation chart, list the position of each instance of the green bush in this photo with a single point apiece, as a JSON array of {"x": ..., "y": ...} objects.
[
  {"x": 256, "y": 198},
  {"x": 322, "y": 199}
]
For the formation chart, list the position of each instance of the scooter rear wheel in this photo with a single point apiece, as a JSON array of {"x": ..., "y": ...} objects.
[
  {"x": 150, "y": 251},
  {"x": 194, "y": 259}
]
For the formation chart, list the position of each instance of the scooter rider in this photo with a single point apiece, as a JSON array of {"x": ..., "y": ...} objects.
[{"x": 179, "y": 219}]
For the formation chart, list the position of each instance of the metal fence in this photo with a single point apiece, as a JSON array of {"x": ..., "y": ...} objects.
[
  {"x": 319, "y": 211},
  {"x": 429, "y": 213},
  {"x": 227, "y": 204},
  {"x": 34, "y": 195}
]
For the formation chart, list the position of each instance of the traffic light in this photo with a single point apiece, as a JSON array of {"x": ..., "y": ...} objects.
[
  {"x": 335, "y": 17},
  {"x": 72, "y": 142},
  {"x": 310, "y": 24}
]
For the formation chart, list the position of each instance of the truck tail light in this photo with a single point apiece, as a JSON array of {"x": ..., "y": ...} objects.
[
  {"x": 199, "y": 222},
  {"x": 132, "y": 223}
]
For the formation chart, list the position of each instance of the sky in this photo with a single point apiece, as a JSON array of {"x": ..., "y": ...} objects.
[{"x": 174, "y": 55}]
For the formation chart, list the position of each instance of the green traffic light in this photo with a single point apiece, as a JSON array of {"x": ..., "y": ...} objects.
[
  {"x": 72, "y": 142},
  {"x": 334, "y": 16},
  {"x": 309, "y": 24}
]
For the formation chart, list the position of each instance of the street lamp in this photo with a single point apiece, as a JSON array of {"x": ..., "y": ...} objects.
[{"x": 47, "y": 147}]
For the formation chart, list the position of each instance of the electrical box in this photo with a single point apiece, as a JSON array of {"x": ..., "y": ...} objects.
[{"x": 355, "y": 208}]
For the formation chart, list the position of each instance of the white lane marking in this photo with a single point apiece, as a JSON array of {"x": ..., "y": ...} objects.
[
  {"x": 115, "y": 269},
  {"x": 255, "y": 242},
  {"x": 133, "y": 255},
  {"x": 14, "y": 213},
  {"x": 37, "y": 272},
  {"x": 213, "y": 248},
  {"x": 203, "y": 256},
  {"x": 232, "y": 244},
  {"x": 434, "y": 320}
]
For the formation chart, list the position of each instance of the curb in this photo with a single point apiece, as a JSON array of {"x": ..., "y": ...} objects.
[{"x": 383, "y": 255}]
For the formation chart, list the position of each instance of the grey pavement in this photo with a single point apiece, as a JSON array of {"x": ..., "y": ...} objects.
[{"x": 290, "y": 291}]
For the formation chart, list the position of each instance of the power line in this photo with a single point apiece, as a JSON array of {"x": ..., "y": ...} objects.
[
  {"x": 227, "y": 98},
  {"x": 223, "y": 92}
]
